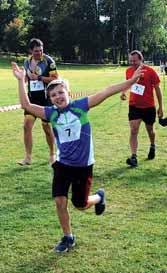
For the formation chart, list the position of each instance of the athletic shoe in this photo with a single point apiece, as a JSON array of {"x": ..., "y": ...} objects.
[
  {"x": 132, "y": 161},
  {"x": 151, "y": 153},
  {"x": 100, "y": 207},
  {"x": 65, "y": 244}
]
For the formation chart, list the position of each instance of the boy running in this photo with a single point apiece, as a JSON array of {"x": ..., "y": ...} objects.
[{"x": 75, "y": 159}]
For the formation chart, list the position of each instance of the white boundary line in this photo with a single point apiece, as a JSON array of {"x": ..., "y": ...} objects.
[
  {"x": 18, "y": 106},
  {"x": 10, "y": 108}
]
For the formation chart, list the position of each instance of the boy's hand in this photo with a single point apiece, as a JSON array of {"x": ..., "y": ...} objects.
[
  {"x": 139, "y": 73},
  {"x": 18, "y": 72}
]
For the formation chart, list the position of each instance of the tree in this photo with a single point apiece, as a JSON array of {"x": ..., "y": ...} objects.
[
  {"x": 9, "y": 10},
  {"x": 75, "y": 30},
  {"x": 88, "y": 38},
  {"x": 14, "y": 36},
  {"x": 130, "y": 24},
  {"x": 154, "y": 22},
  {"x": 64, "y": 29},
  {"x": 41, "y": 12}
]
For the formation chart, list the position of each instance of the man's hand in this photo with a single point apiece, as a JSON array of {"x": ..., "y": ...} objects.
[
  {"x": 123, "y": 96},
  {"x": 32, "y": 76},
  {"x": 160, "y": 112},
  {"x": 18, "y": 72}
]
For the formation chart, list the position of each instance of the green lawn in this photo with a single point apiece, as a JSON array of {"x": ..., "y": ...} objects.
[{"x": 130, "y": 237}]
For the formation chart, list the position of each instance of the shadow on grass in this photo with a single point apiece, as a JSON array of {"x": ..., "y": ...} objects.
[
  {"x": 29, "y": 193},
  {"x": 43, "y": 262},
  {"x": 156, "y": 204},
  {"x": 28, "y": 186},
  {"x": 20, "y": 169},
  {"x": 11, "y": 172},
  {"x": 116, "y": 174},
  {"x": 148, "y": 183},
  {"x": 132, "y": 177}
]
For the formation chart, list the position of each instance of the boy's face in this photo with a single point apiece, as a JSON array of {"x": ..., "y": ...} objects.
[
  {"x": 37, "y": 52},
  {"x": 59, "y": 96}
]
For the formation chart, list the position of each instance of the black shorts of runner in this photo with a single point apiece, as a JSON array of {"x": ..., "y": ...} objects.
[
  {"x": 80, "y": 179},
  {"x": 148, "y": 115},
  {"x": 38, "y": 98}
]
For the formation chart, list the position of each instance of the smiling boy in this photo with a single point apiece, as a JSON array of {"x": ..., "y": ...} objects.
[{"x": 75, "y": 158}]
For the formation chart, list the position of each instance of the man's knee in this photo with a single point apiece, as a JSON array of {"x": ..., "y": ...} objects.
[
  {"x": 134, "y": 130},
  {"x": 150, "y": 129},
  {"x": 28, "y": 124},
  {"x": 151, "y": 132}
]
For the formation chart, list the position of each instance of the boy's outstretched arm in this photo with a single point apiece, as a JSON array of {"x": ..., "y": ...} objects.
[
  {"x": 111, "y": 90},
  {"x": 34, "y": 109}
]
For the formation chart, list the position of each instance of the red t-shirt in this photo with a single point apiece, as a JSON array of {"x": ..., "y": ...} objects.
[{"x": 149, "y": 81}]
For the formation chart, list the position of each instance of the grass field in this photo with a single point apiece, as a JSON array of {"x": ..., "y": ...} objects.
[{"x": 131, "y": 236}]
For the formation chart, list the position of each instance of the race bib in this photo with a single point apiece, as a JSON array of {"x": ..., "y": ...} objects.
[
  {"x": 36, "y": 85},
  {"x": 138, "y": 89},
  {"x": 69, "y": 132}
]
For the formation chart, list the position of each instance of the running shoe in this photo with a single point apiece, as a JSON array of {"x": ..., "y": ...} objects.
[
  {"x": 151, "y": 153},
  {"x": 100, "y": 207},
  {"x": 132, "y": 161},
  {"x": 65, "y": 244}
]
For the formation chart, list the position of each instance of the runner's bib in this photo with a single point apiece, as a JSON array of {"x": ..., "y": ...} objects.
[
  {"x": 138, "y": 89},
  {"x": 69, "y": 132},
  {"x": 36, "y": 86}
]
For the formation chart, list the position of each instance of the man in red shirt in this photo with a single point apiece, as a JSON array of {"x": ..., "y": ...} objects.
[{"x": 142, "y": 105}]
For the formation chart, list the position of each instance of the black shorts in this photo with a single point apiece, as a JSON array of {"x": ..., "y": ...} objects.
[
  {"x": 148, "y": 115},
  {"x": 79, "y": 177},
  {"x": 38, "y": 98}
]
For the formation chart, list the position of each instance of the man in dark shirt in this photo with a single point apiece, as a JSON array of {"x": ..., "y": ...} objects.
[{"x": 40, "y": 70}]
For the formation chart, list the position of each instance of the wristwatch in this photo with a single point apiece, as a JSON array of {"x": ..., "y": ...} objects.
[{"x": 39, "y": 78}]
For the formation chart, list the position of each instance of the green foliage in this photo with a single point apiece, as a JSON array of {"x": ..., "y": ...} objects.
[
  {"x": 40, "y": 26},
  {"x": 14, "y": 19},
  {"x": 14, "y": 36},
  {"x": 64, "y": 29},
  {"x": 154, "y": 21},
  {"x": 75, "y": 25},
  {"x": 4, "y": 4},
  {"x": 75, "y": 31}
]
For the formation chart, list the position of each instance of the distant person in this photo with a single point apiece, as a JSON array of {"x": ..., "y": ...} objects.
[
  {"x": 162, "y": 67},
  {"x": 142, "y": 105},
  {"x": 166, "y": 68},
  {"x": 40, "y": 70},
  {"x": 75, "y": 158}
]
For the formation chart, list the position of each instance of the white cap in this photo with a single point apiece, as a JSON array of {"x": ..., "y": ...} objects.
[{"x": 59, "y": 81}]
